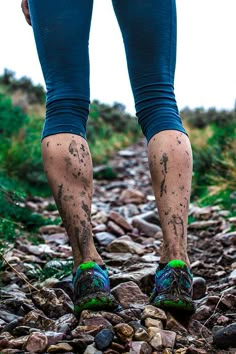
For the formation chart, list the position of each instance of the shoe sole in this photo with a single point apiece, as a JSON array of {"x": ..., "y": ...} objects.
[
  {"x": 175, "y": 303},
  {"x": 97, "y": 302}
]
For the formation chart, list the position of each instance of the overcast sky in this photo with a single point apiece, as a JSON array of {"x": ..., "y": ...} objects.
[{"x": 206, "y": 56}]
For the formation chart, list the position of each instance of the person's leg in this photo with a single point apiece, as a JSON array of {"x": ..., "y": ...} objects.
[
  {"x": 61, "y": 30},
  {"x": 149, "y": 34}
]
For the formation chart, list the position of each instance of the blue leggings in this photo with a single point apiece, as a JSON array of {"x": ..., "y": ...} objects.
[{"x": 61, "y": 30}]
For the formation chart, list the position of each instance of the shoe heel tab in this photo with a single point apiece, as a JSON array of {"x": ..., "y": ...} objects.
[
  {"x": 176, "y": 263},
  {"x": 87, "y": 265}
]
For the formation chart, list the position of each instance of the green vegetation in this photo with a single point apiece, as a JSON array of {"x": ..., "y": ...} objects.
[{"x": 212, "y": 134}]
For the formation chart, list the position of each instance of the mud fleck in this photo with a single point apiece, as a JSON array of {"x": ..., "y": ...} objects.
[
  {"x": 59, "y": 197},
  {"x": 82, "y": 147},
  {"x": 86, "y": 209},
  {"x": 163, "y": 162},
  {"x": 178, "y": 225},
  {"x": 48, "y": 143},
  {"x": 178, "y": 140},
  {"x": 68, "y": 198},
  {"x": 73, "y": 148},
  {"x": 68, "y": 163}
]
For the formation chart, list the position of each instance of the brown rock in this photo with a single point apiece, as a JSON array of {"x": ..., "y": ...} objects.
[
  {"x": 96, "y": 321},
  {"x": 160, "y": 338},
  {"x": 141, "y": 334},
  {"x": 18, "y": 342},
  {"x": 140, "y": 348},
  {"x": 91, "y": 330},
  {"x": 10, "y": 351},
  {"x": 112, "y": 317},
  {"x": 37, "y": 342},
  {"x": 129, "y": 294},
  {"x": 60, "y": 348},
  {"x": 54, "y": 302},
  {"x": 193, "y": 350},
  {"x": 117, "y": 347},
  {"x": 51, "y": 229},
  {"x": 120, "y": 220},
  {"x": 36, "y": 319},
  {"x": 152, "y": 322},
  {"x": 200, "y": 225},
  {"x": 195, "y": 327},
  {"x": 202, "y": 313},
  {"x": 173, "y": 325},
  {"x": 142, "y": 276},
  {"x": 66, "y": 323},
  {"x": 144, "y": 227},
  {"x": 132, "y": 314},
  {"x": 114, "y": 228},
  {"x": 156, "y": 341},
  {"x": 124, "y": 332},
  {"x": 229, "y": 300},
  {"x": 154, "y": 312},
  {"x": 125, "y": 244},
  {"x": 130, "y": 196},
  {"x": 54, "y": 337}
]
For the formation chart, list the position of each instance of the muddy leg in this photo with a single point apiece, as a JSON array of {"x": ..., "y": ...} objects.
[
  {"x": 68, "y": 166},
  {"x": 170, "y": 161}
]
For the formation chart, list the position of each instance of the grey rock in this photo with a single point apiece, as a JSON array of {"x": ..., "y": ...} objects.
[
  {"x": 199, "y": 288},
  {"x": 104, "y": 238},
  {"x": 140, "y": 347},
  {"x": 144, "y": 227},
  {"x": 104, "y": 338},
  {"x": 225, "y": 337}
]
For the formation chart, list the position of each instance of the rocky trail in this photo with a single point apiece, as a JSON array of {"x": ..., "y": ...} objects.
[{"x": 36, "y": 315}]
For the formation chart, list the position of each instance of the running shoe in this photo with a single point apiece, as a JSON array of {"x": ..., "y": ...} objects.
[
  {"x": 92, "y": 289},
  {"x": 173, "y": 287}
]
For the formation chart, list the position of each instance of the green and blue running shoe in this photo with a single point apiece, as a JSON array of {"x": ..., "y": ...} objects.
[
  {"x": 92, "y": 289},
  {"x": 173, "y": 287}
]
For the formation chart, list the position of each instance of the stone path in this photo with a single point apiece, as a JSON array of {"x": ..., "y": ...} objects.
[{"x": 127, "y": 232}]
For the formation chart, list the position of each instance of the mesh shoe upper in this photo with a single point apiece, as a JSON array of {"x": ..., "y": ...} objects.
[
  {"x": 173, "y": 286},
  {"x": 90, "y": 278}
]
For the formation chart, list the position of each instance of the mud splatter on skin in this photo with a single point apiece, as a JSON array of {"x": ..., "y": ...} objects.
[
  {"x": 86, "y": 209},
  {"x": 82, "y": 147},
  {"x": 167, "y": 211},
  {"x": 68, "y": 163},
  {"x": 73, "y": 150},
  {"x": 68, "y": 198},
  {"x": 48, "y": 143},
  {"x": 85, "y": 233},
  {"x": 59, "y": 198},
  {"x": 163, "y": 162},
  {"x": 178, "y": 140},
  {"x": 181, "y": 188},
  {"x": 85, "y": 182},
  {"x": 152, "y": 164},
  {"x": 178, "y": 225}
]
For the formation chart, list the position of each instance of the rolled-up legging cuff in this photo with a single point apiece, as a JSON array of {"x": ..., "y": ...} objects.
[{"x": 66, "y": 116}]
